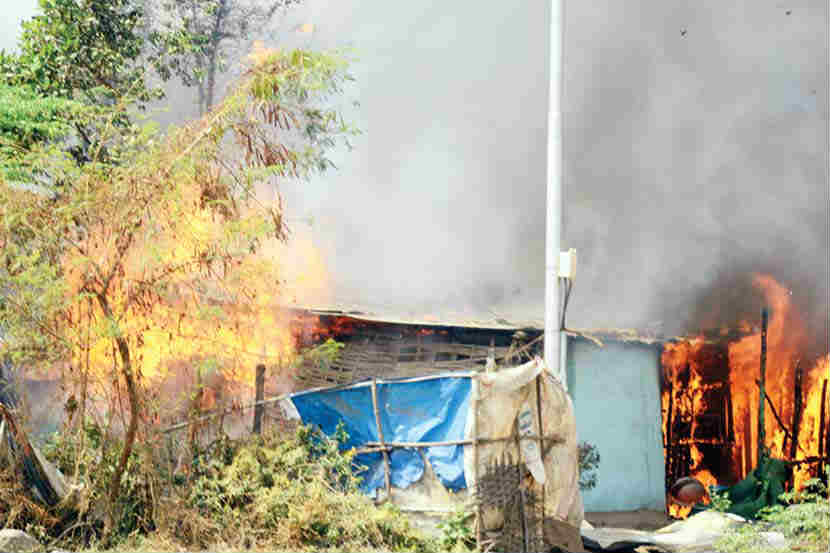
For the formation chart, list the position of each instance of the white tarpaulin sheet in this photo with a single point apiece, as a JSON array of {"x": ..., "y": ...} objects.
[{"x": 506, "y": 395}]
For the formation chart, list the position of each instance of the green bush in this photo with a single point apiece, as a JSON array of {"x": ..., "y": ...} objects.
[
  {"x": 720, "y": 502},
  {"x": 588, "y": 466},
  {"x": 457, "y": 532},
  {"x": 806, "y": 519},
  {"x": 277, "y": 493},
  {"x": 744, "y": 539},
  {"x": 294, "y": 493}
]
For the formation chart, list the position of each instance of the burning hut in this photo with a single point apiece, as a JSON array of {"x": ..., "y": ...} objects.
[
  {"x": 657, "y": 409},
  {"x": 715, "y": 425}
]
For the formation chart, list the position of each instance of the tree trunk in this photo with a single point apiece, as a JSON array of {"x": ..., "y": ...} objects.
[
  {"x": 84, "y": 388},
  {"x": 132, "y": 427},
  {"x": 213, "y": 53},
  {"x": 211, "y": 83},
  {"x": 201, "y": 89}
]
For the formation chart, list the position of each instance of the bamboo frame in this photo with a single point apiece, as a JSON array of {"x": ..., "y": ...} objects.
[
  {"x": 808, "y": 460},
  {"x": 822, "y": 437},
  {"x": 259, "y": 387},
  {"x": 474, "y": 385},
  {"x": 541, "y": 436},
  {"x": 416, "y": 445},
  {"x": 387, "y": 471},
  {"x": 787, "y": 434},
  {"x": 227, "y": 410},
  {"x": 384, "y": 447},
  {"x": 797, "y": 397},
  {"x": 762, "y": 392},
  {"x": 522, "y": 506}
]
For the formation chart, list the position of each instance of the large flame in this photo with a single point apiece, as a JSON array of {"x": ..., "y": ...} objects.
[
  {"x": 685, "y": 362},
  {"x": 787, "y": 337},
  {"x": 216, "y": 322},
  {"x": 683, "y": 369}
]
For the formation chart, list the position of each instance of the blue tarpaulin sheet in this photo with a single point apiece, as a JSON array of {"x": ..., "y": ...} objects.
[{"x": 422, "y": 410}]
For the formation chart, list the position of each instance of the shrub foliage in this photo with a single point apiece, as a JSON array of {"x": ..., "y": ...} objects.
[{"x": 294, "y": 492}]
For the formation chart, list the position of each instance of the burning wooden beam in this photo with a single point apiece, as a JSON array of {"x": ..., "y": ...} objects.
[
  {"x": 259, "y": 410},
  {"x": 826, "y": 440},
  {"x": 796, "y": 410},
  {"x": 730, "y": 420},
  {"x": 669, "y": 445},
  {"x": 747, "y": 445},
  {"x": 762, "y": 433},
  {"x": 822, "y": 439},
  {"x": 772, "y": 408}
]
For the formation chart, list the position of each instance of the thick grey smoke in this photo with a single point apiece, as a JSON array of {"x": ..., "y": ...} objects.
[
  {"x": 696, "y": 140},
  {"x": 695, "y": 147}
]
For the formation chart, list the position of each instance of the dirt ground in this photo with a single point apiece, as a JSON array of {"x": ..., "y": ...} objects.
[{"x": 635, "y": 520}]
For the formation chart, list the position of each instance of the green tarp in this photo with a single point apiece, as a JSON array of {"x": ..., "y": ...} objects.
[{"x": 761, "y": 488}]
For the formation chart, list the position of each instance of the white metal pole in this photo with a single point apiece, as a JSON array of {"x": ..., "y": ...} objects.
[{"x": 554, "y": 192}]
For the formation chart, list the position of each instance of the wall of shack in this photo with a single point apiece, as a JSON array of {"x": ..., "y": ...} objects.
[{"x": 616, "y": 394}]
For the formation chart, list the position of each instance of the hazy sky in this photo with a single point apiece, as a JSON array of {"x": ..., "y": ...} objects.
[
  {"x": 696, "y": 140},
  {"x": 14, "y": 11},
  {"x": 695, "y": 153}
]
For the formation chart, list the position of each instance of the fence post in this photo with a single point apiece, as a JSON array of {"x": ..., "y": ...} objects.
[
  {"x": 541, "y": 438},
  {"x": 762, "y": 390},
  {"x": 260, "y": 395},
  {"x": 474, "y": 393},
  {"x": 387, "y": 472},
  {"x": 520, "y": 473}
]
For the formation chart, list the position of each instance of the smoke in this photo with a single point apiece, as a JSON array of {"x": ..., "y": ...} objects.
[
  {"x": 696, "y": 148},
  {"x": 695, "y": 154},
  {"x": 696, "y": 140}
]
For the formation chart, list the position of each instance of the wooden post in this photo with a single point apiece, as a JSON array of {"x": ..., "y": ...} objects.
[
  {"x": 670, "y": 470},
  {"x": 386, "y": 471},
  {"x": 729, "y": 436},
  {"x": 822, "y": 440},
  {"x": 734, "y": 448},
  {"x": 762, "y": 432},
  {"x": 260, "y": 395},
  {"x": 541, "y": 437},
  {"x": 747, "y": 445},
  {"x": 474, "y": 431},
  {"x": 826, "y": 439},
  {"x": 491, "y": 356},
  {"x": 796, "y": 411},
  {"x": 522, "y": 506},
  {"x": 195, "y": 412}
]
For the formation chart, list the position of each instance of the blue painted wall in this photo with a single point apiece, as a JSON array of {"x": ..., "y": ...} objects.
[{"x": 616, "y": 395}]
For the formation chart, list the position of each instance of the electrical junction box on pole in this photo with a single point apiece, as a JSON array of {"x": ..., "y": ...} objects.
[{"x": 567, "y": 264}]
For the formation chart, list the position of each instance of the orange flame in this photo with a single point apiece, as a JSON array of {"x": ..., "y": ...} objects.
[
  {"x": 787, "y": 336},
  {"x": 225, "y": 324},
  {"x": 683, "y": 366}
]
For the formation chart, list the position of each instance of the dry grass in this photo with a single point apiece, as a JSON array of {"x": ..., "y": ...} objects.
[{"x": 274, "y": 493}]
